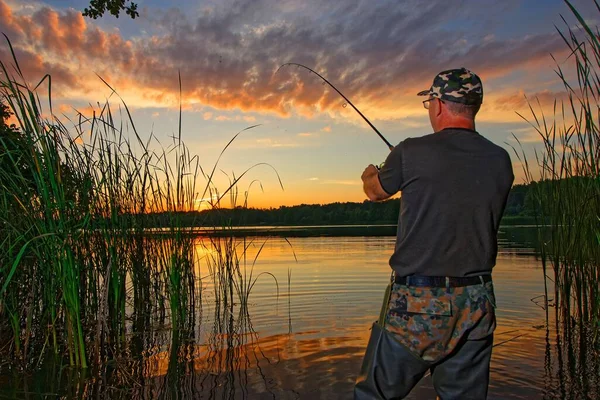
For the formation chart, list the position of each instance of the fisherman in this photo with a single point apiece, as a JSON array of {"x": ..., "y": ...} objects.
[{"x": 440, "y": 314}]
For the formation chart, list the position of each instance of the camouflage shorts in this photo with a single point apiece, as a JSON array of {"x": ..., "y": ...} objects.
[{"x": 431, "y": 322}]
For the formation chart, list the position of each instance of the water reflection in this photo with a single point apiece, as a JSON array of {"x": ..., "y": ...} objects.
[
  {"x": 572, "y": 367},
  {"x": 304, "y": 337}
]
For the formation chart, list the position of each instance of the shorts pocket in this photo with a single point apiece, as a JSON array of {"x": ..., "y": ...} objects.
[
  {"x": 422, "y": 320},
  {"x": 428, "y": 301}
]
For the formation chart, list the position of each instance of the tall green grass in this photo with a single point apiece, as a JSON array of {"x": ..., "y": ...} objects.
[
  {"x": 79, "y": 276},
  {"x": 568, "y": 192}
]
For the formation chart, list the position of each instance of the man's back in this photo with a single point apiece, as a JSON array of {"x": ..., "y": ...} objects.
[
  {"x": 440, "y": 312},
  {"x": 454, "y": 187}
]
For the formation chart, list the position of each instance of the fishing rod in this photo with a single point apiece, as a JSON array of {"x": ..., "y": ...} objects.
[{"x": 389, "y": 145}]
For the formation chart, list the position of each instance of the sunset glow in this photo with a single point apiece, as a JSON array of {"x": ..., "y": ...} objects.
[{"x": 228, "y": 55}]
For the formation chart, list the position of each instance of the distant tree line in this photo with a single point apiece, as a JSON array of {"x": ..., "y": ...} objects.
[
  {"x": 519, "y": 204},
  {"x": 314, "y": 214},
  {"x": 520, "y": 201}
]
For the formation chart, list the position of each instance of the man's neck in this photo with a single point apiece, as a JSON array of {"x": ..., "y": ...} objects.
[{"x": 457, "y": 123}]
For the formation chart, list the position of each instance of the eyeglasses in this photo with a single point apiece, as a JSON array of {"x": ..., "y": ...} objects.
[{"x": 426, "y": 102}]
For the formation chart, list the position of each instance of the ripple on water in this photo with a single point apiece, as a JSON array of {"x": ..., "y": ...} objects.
[{"x": 308, "y": 341}]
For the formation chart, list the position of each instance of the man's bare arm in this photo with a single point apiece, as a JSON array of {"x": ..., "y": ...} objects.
[{"x": 371, "y": 184}]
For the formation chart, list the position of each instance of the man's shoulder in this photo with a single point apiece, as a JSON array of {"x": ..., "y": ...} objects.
[
  {"x": 452, "y": 136},
  {"x": 415, "y": 141},
  {"x": 499, "y": 149},
  {"x": 441, "y": 136}
]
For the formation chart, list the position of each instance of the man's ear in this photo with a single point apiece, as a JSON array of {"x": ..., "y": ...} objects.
[{"x": 438, "y": 112}]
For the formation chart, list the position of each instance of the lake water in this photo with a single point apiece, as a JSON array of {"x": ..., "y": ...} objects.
[
  {"x": 304, "y": 336},
  {"x": 335, "y": 294}
]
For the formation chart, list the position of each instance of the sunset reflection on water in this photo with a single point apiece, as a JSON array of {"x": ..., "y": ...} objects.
[
  {"x": 319, "y": 324},
  {"x": 304, "y": 331}
]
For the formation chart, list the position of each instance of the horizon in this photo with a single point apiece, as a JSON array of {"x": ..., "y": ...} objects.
[{"x": 228, "y": 54}]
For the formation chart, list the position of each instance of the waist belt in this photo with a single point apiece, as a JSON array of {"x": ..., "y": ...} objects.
[{"x": 441, "y": 281}]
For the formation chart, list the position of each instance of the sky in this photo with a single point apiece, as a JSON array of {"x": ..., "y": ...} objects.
[{"x": 228, "y": 55}]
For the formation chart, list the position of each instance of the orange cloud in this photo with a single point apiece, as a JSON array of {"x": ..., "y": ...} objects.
[
  {"x": 520, "y": 100},
  {"x": 224, "y": 69}
]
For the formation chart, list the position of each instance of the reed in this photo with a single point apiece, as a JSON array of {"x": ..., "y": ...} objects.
[
  {"x": 567, "y": 196},
  {"x": 79, "y": 276}
]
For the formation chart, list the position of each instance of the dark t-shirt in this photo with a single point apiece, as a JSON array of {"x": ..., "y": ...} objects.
[{"x": 454, "y": 186}]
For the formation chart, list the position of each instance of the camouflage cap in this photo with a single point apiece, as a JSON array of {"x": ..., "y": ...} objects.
[{"x": 457, "y": 85}]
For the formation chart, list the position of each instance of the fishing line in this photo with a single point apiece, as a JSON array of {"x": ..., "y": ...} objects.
[{"x": 389, "y": 145}]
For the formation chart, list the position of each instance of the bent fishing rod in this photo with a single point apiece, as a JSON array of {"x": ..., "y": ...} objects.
[{"x": 389, "y": 145}]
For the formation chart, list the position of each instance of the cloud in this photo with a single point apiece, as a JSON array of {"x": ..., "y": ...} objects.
[
  {"x": 64, "y": 108},
  {"x": 313, "y": 179},
  {"x": 342, "y": 182},
  {"x": 70, "y": 110},
  {"x": 527, "y": 134},
  {"x": 228, "y": 56},
  {"x": 306, "y": 134},
  {"x": 275, "y": 143},
  {"x": 520, "y": 100},
  {"x": 222, "y": 118},
  {"x": 326, "y": 129}
]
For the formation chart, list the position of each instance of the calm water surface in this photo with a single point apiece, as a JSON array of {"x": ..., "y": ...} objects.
[
  {"x": 335, "y": 294},
  {"x": 304, "y": 334}
]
